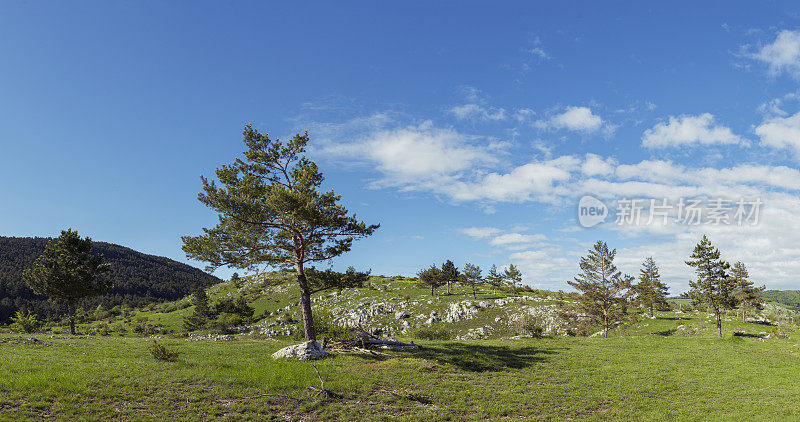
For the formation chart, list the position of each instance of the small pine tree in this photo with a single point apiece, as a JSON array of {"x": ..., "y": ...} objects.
[
  {"x": 494, "y": 278},
  {"x": 472, "y": 277},
  {"x": 604, "y": 291},
  {"x": 713, "y": 286},
  {"x": 27, "y": 321},
  {"x": 650, "y": 291},
  {"x": 237, "y": 282},
  {"x": 430, "y": 278},
  {"x": 450, "y": 274},
  {"x": 68, "y": 271},
  {"x": 513, "y": 276},
  {"x": 750, "y": 298},
  {"x": 202, "y": 311}
]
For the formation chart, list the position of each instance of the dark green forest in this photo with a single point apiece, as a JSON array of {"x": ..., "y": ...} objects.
[
  {"x": 137, "y": 278},
  {"x": 789, "y": 298}
]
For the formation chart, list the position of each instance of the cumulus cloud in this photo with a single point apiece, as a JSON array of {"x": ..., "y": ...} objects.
[
  {"x": 595, "y": 165},
  {"x": 687, "y": 130},
  {"x": 466, "y": 169},
  {"x": 783, "y": 54},
  {"x": 781, "y": 133}
]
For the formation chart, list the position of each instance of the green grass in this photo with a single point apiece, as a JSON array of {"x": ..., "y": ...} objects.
[
  {"x": 647, "y": 371},
  {"x": 668, "y": 367}
]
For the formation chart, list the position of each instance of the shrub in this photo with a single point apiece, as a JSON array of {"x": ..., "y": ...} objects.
[
  {"x": 26, "y": 322},
  {"x": 529, "y": 325},
  {"x": 226, "y": 322},
  {"x": 326, "y": 326},
  {"x": 237, "y": 307},
  {"x": 162, "y": 353},
  {"x": 432, "y": 333}
]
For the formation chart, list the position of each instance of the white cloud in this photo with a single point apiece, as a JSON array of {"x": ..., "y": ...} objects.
[
  {"x": 579, "y": 119},
  {"x": 535, "y": 181},
  {"x": 462, "y": 168},
  {"x": 783, "y": 54},
  {"x": 688, "y": 130},
  {"x": 542, "y": 267},
  {"x": 516, "y": 240},
  {"x": 479, "y": 232},
  {"x": 538, "y": 52},
  {"x": 476, "y": 111},
  {"x": 595, "y": 165},
  {"x": 781, "y": 133}
]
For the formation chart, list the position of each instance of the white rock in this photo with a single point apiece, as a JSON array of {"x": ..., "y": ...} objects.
[
  {"x": 304, "y": 351},
  {"x": 225, "y": 338}
]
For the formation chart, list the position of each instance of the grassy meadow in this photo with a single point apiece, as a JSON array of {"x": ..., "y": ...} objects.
[{"x": 650, "y": 370}]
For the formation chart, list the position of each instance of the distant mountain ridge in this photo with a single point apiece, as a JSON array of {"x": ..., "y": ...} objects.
[
  {"x": 138, "y": 278},
  {"x": 790, "y": 298}
]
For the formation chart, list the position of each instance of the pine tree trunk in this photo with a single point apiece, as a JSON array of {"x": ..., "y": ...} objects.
[
  {"x": 71, "y": 313},
  {"x": 432, "y": 290},
  {"x": 651, "y": 310},
  {"x": 448, "y": 287},
  {"x": 744, "y": 317},
  {"x": 719, "y": 324},
  {"x": 474, "y": 293},
  {"x": 305, "y": 304}
]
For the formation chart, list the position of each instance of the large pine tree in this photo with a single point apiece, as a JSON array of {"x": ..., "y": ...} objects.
[
  {"x": 68, "y": 271},
  {"x": 749, "y": 296},
  {"x": 713, "y": 286},
  {"x": 272, "y": 211},
  {"x": 650, "y": 291},
  {"x": 604, "y": 291}
]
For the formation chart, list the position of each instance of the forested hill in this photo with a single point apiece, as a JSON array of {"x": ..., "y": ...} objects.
[
  {"x": 138, "y": 278},
  {"x": 790, "y": 298}
]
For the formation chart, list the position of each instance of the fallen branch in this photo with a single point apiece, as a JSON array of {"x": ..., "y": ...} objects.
[{"x": 321, "y": 391}]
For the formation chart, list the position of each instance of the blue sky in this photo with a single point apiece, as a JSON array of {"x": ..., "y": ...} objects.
[{"x": 468, "y": 130}]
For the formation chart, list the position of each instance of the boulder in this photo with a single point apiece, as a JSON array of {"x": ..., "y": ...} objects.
[
  {"x": 401, "y": 315},
  {"x": 304, "y": 351}
]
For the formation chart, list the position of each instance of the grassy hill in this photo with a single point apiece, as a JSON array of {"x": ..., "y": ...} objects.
[
  {"x": 138, "y": 278},
  {"x": 670, "y": 366}
]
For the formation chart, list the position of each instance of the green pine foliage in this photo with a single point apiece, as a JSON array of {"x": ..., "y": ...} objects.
[
  {"x": 137, "y": 279},
  {"x": 494, "y": 278},
  {"x": 272, "y": 211},
  {"x": 713, "y": 286},
  {"x": 749, "y": 296},
  {"x": 650, "y": 291},
  {"x": 67, "y": 271},
  {"x": 26, "y": 321},
  {"x": 513, "y": 276},
  {"x": 450, "y": 274},
  {"x": 472, "y": 277},
  {"x": 430, "y": 278},
  {"x": 604, "y": 291}
]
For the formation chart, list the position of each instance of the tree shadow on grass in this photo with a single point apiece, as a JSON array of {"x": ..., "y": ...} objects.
[
  {"x": 482, "y": 358},
  {"x": 675, "y": 318}
]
